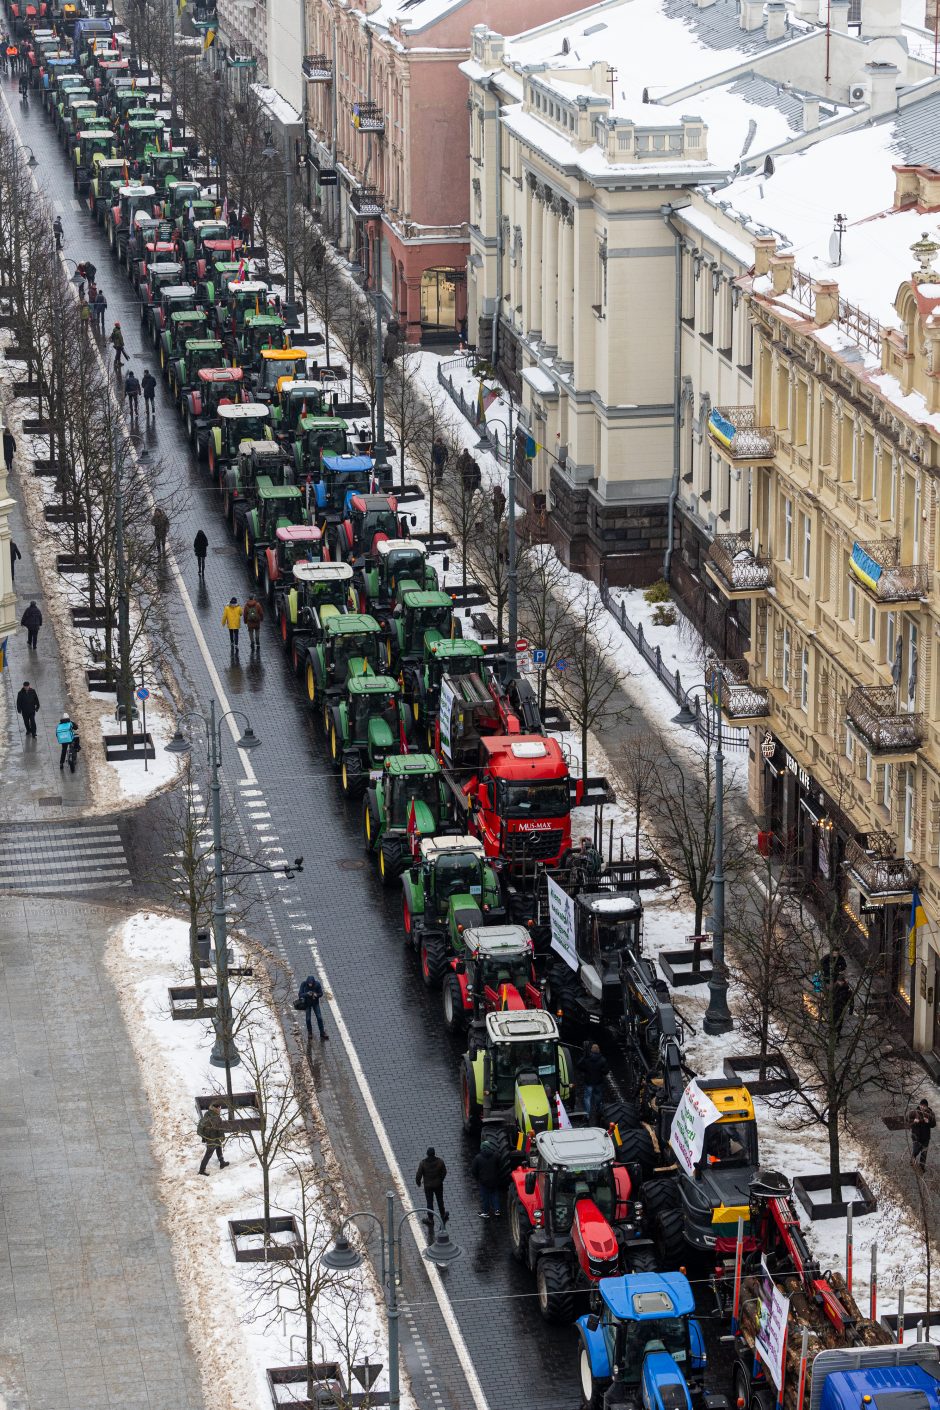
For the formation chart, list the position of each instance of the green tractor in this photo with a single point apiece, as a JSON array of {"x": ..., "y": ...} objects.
[
  {"x": 395, "y": 561},
  {"x": 448, "y": 888},
  {"x": 256, "y": 461},
  {"x": 203, "y": 240},
  {"x": 511, "y": 1078},
  {"x": 142, "y": 129},
  {"x": 349, "y": 645},
  {"x": 89, "y": 142},
  {"x": 118, "y": 217},
  {"x": 108, "y": 175},
  {"x": 296, "y": 399},
  {"x": 422, "y": 679},
  {"x": 243, "y": 298},
  {"x": 260, "y": 332},
  {"x": 275, "y": 507},
  {"x": 420, "y": 619},
  {"x": 313, "y": 591},
  {"x": 196, "y": 353},
  {"x": 165, "y": 167},
  {"x": 156, "y": 275},
  {"x": 319, "y": 436},
  {"x": 214, "y": 388},
  {"x": 408, "y": 784},
  {"x": 278, "y": 365},
  {"x": 368, "y": 723},
  {"x": 182, "y": 326},
  {"x": 294, "y": 546},
  {"x": 235, "y": 423}
]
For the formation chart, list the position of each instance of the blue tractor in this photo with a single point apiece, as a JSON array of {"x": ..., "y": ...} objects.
[{"x": 642, "y": 1347}]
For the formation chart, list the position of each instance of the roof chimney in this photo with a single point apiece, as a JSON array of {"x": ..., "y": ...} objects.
[
  {"x": 776, "y": 20},
  {"x": 765, "y": 247},
  {"x": 881, "y": 81},
  {"x": 807, "y": 10},
  {"x": 781, "y": 273},
  {"x": 825, "y": 301},
  {"x": 810, "y": 113},
  {"x": 881, "y": 19},
  {"x": 751, "y": 16},
  {"x": 839, "y": 16}
]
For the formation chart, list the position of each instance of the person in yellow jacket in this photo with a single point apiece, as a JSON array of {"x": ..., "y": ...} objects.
[{"x": 232, "y": 618}]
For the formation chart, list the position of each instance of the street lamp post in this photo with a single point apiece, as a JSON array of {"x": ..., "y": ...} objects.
[
  {"x": 717, "y": 1016},
  {"x": 343, "y": 1257},
  {"x": 273, "y": 154},
  {"x": 512, "y": 573},
  {"x": 224, "y": 1053},
  {"x": 381, "y": 463}
]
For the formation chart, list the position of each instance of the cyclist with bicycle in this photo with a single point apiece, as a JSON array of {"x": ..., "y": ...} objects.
[{"x": 66, "y": 733}]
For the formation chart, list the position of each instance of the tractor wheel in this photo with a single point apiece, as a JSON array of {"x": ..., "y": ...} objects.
[
  {"x": 741, "y": 1384},
  {"x": 370, "y": 819},
  {"x": 432, "y": 738},
  {"x": 227, "y": 506},
  {"x": 519, "y": 1230},
  {"x": 623, "y": 1115},
  {"x": 335, "y": 750},
  {"x": 295, "y": 658},
  {"x": 498, "y": 1138},
  {"x": 407, "y": 920},
  {"x": 669, "y": 1237},
  {"x": 555, "y": 1291},
  {"x": 210, "y": 456},
  {"x": 658, "y": 1195},
  {"x": 592, "y": 1391},
  {"x": 452, "y": 998},
  {"x": 561, "y": 996},
  {"x": 469, "y": 1106},
  {"x": 249, "y": 546},
  {"x": 433, "y": 956},
  {"x": 636, "y": 1148},
  {"x": 642, "y": 1260},
  {"x": 388, "y": 864},
  {"x": 284, "y": 624},
  {"x": 311, "y": 684},
  {"x": 268, "y": 584}
]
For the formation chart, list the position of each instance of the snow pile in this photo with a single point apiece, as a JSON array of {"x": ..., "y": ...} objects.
[{"x": 232, "y": 1309}]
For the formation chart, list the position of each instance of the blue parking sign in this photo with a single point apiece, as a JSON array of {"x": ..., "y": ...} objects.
[{"x": 539, "y": 656}]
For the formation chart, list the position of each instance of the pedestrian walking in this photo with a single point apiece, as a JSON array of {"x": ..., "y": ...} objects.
[
  {"x": 438, "y": 457},
  {"x": 486, "y": 1171},
  {"x": 90, "y": 271},
  {"x": 100, "y": 309},
  {"x": 211, "y": 1131},
  {"x": 32, "y": 621},
  {"x": 232, "y": 618},
  {"x": 253, "y": 614},
  {"x": 462, "y": 335},
  {"x": 66, "y": 734},
  {"x": 593, "y": 1067},
  {"x": 832, "y": 966},
  {"x": 58, "y": 231},
  {"x": 84, "y": 314},
  {"x": 161, "y": 527},
  {"x": 132, "y": 393},
  {"x": 432, "y": 1172},
  {"x": 842, "y": 1004},
  {"x": 27, "y": 703},
  {"x": 9, "y": 448},
  {"x": 201, "y": 548},
  {"x": 92, "y": 295},
  {"x": 117, "y": 342},
  {"x": 922, "y": 1123},
  {"x": 308, "y": 998},
  {"x": 148, "y": 385},
  {"x": 14, "y": 555}
]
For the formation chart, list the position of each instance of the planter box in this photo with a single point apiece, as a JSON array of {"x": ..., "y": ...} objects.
[
  {"x": 33, "y": 427},
  {"x": 68, "y": 563},
  {"x": 473, "y": 595},
  {"x": 183, "y": 1001},
  {"x": 684, "y": 968},
  {"x": 43, "y": 466},
  {"x": 780, "y": 1075},
  {"x": 116, "y": 747},
  {"x": 246, "y": 1116},
  {"x": 27, "y": 389},
  {"x": 410, "y": 494},
  {"x": 931, "y": 1321},
  {"x": 823, "y": 1207},
  {"x": 97, "y": 679},
  {"x": 59, "y": 514},
  {"x": 247, "y": 1237},
  {"x": 442, "y": 543},
  {"x": 288, "y": 1386},
  {"x": 86, "y": 617}
]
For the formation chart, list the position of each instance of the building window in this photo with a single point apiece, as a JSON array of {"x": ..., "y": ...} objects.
[
  {"x": 850, "y": 746},
  {"x": 801, "y": 417},
  {"x": 908, "y": 811},
  {"x": 787, "y": 530},
  {"x": 825, "y": 431},
  {"x": 872, "y": 622},
  {"x": 853, "y": 602},
  {"x": 804, "y": 680},
  {"x": 785, "y": 672},
  {"x": 807, "y": 545},
  {"x": 886, "y": 782},
  {"x": 891, "y": 643}
]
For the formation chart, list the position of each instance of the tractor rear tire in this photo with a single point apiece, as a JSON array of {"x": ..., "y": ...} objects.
[
  {"x": 389, "y": 859},
  {"x": 370, "y": 820},
  {"x": 311, "y": 684},
  {"x": 407, "y": 920},
  {"x": 636, "y": 1148},
  {"x": 658, "y": 1195},
  {"x": 469, "y": 1107},
  {"x": 519, "y": 1229},
  {"x": 498, "y": 1138},
  {"x": 642, "y": 1260},
  {"x": 741, "y": 1384},
  {"x": 561, "y": 996},
  {"x": 335, "y": 750},
  {"x": 592, "y": 1391},
  {"x": 669, "y": 1237},
  {"x": 452, "y": 999},
  {"x": 623, "y": 1115},
  {"x": 433, "y": 958},
  {"x": 555, "y": 1291}
]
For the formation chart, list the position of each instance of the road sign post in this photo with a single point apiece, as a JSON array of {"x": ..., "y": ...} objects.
[{"x": 143, "y": 695}]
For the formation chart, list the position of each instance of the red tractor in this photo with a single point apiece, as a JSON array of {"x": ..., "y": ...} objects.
[
  {"x": 494, "y": 971},
  {"x": 369, "y": 520},
  {"x": 574, "y": 1217}
]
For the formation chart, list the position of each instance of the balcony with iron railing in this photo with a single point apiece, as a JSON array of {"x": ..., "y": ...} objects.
[
  {"x": 735, "y": 433},
  {"x": 366, "y": 202},
  {"x": 873, "y": 715},
  {"x": 368, "y": 117},
  {"x": 876, "y": 870},
  {"x": 877, "y": 567},
  {"x": 741, "y": 702},
  {"x": 735, "y": 568},
  {"x": 318, "y": 68}
]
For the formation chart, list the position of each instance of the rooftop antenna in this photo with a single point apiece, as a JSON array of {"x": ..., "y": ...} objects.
[
  {"x": 611, "y": 79},
  {"x": 835, "y": 239}
]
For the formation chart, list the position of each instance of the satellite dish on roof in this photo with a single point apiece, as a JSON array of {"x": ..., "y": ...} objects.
[
  {"x": 769, "y": 166},
  {"x": 835, "y": 248}
]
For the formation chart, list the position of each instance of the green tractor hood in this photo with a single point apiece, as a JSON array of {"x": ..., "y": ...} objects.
[
  {"x": 425, "y": 821},
  {"x": 381, "y": 738},
  {"x": 463, "y": 913}
]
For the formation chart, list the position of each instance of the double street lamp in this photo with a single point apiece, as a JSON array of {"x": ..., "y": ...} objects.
[
  {"x": 224, "y": 1052},
  {"x": 717, "y": 1016},
  {"x": 272, "y": 154},
  {"x": 512, "y": 572},
  {"x": 342, "y": 1257}
]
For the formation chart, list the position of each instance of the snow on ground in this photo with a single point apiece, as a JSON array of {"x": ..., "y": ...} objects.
[
  {"x": 133, "y": 779},
  {"x": 236, "y": 1325}
]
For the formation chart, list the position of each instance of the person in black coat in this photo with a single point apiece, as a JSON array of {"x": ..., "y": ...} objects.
[
  {"x": 922, "y": 1123},
  {"x": 201, "y": 548},
  {"x": 593, "y": 1068},
  {"x": 309, "y": 996},
  {"x": 9, "y": 448},
  {"x": 27, "y": 703},
  {"x": 432, "y": 1173},
  {"x": 488, "y": 1175},
  {"x": 15, "y": 555},
  {"x": 32, "y": 621}
]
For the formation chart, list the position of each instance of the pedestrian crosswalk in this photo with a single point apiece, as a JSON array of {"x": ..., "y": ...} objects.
[{"x": 67, "y": 856}]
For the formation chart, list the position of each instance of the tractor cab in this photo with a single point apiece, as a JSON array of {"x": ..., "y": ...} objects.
[
  {"x": 215, "y": 388},
  {"x": 183, "y": 326},
  {"x": 348, "y": 647},
  {"x": 107, "y": 177},
  {"x": 513, "y": 1075},
  {"x": 89, "y": 142},
  {"x": 277, "y": 366},
  {"x": 276, "y": 506},
  {"x": 221, "y": 271},
  {"x": 155, "y": 277},
  {"x": 715, "y": 1173},
  {"x": 321, "y": 451},
  {"x": 140, "y": 132},
  {"x": 409, "y": 801},
  {"x": 420, "y": 618},
  {"x": 243, "y": 297},
  {"x": 455, "y": 658},
  {"x": 176, "y": 309},
  {"x": 495, "y": 972},
  {"x": 83, "y": 115},
  {"x": 69, "y": 96},
  {"x": 199, "y": 209},
  {"x": 396, "y": 562},
  {"x": 247, "y": 421},
  {"x": 450, "y": 888},
  {"x": 198, "y": 353},
  {"x": 260, "y": 331},
  {"x": 129, "y": 200},
  {"x": 520, "y": 799},
  {"x": 129, "y": 93},
  {"x": 368, "y": 723},
  {"x": 257, "y": 461},
  {"x": 314, "y": 590},
  {"x": 166, "y": 166},
  {"x": 206, "y": 238},
  {"x": 297, "y": 398},
  {"x": 368, "y": 520},
  {"x": 179, "y": 194}
]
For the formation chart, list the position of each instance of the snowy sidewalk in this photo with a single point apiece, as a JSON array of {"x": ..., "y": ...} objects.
[{"x": 90, "y": 1314}]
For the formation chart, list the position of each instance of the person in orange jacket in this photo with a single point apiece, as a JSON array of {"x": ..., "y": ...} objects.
[{"x": 232, "y": 618}]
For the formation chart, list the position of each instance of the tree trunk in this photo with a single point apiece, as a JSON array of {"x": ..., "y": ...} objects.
[
  {"x": 265, "y": 1163},
  {"x": 835, "y": 1168},
  {"x": 699, "y": 913},
  {"x": 194, "y": 953},
  {"x": 584, "y": 745}
]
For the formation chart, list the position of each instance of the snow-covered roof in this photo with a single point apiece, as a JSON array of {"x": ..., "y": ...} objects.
[{"x": 277, "y": 107}]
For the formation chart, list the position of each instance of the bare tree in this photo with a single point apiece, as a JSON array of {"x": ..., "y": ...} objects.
[
  {"x": 543, "y": 606},
  {"x": 636, "y": 765},
  {"x": 464, "y": 501},
  {"x": 413, "y": 418},
  {"x": 587, "y": 687},
  {"x": 762, "y": 914},
  {"x": 277, "y": 1105}
]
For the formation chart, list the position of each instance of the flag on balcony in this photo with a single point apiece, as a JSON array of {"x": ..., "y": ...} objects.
[
  {"x": 721, "y": 428},
  {"x": 864, "y": 567},
  {"x": 489, "y": 396},
  {"x": 532, "y": 447},
  {"x": 209, "y": 40},
  {"x": 918, "y": 918}
]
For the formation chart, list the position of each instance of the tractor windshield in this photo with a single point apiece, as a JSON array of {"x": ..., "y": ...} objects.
[
  {"x": 457, "y": 872},
  {"x": 571, "y": 1185},
  {"x": 513, "y": 1058},
  {"x": 251, "y": 428},
  {"x": 516, "y": 970},
  {"x": 425, "y": 790},
  {"x": 730, "y": 1144},
  {"x": 636, "y": 1339},
  {"x": 356, "y": 644},
  {"x": 370, "y": 707},
  {"x": 379, "y": 521},
  {"x": 402, "y": 566},
  {"x": 329, "y": 438},
  {"x": 614, "y": 933},
  {"x": 429, "y": 619},
  {"x": 533, "y": 800}
]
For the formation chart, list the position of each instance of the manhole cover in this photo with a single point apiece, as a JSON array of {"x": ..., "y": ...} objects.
[
  {"x": 351, "y": 864},
  {"x": 52, "y": 801}
]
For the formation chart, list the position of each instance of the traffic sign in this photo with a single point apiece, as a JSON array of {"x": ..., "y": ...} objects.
[
  {"x": 539, "y": 656},
  {"x": 561, "y": 664},
  {"x": 143, "y": 693},
  {"x": 367, "y": 1374}
]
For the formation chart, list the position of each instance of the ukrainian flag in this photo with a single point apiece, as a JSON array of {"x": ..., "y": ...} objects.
[
  {"x": 721, "y": 428},
  {"x": 3, "y": 653},
  {"x": 918, "y": 918},
  {"x": 532, "y": 447},
  {"x": 209, "y": 40},
  {"x": 864, "y": 567}
]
